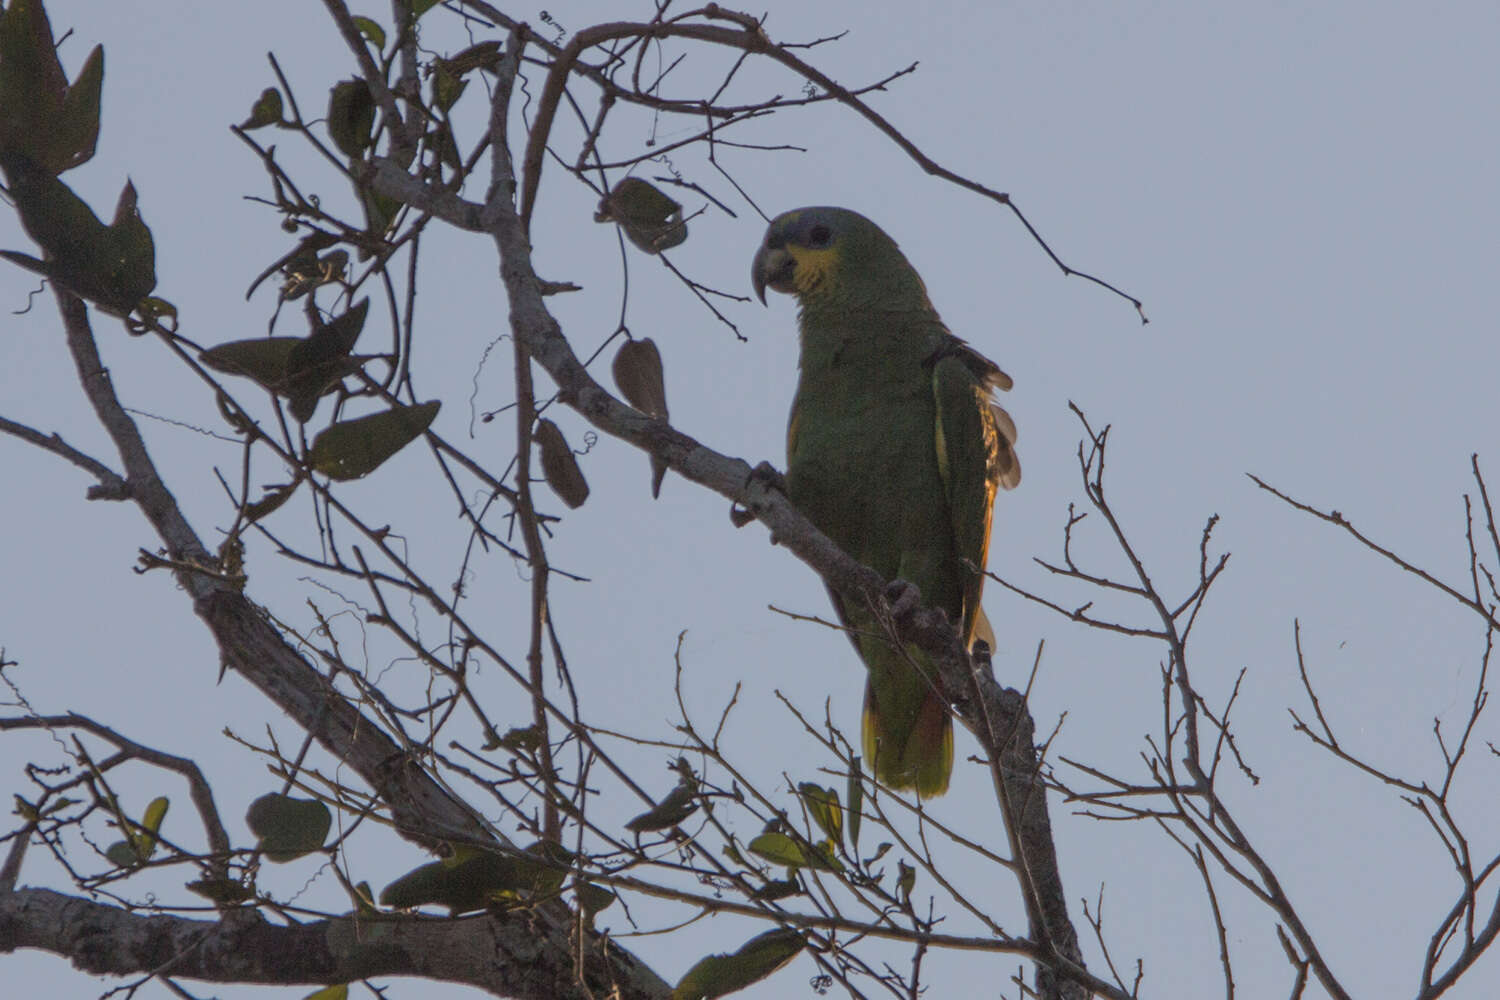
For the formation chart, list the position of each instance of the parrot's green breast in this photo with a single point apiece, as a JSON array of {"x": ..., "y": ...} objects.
[{"x": 862, "y": 462}]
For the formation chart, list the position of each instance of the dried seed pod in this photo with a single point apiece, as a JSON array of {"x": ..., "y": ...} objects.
[
  {"x": 638, "y": 374},
  {"x": 559, "y": 465}
]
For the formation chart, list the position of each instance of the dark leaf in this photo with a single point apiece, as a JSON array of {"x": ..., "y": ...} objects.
[
  {"x": 112, "y": 266},
  {"x": 122, "y": 855},
  {"x": 721, "y": 975},
  {"x": 592, "y": 898},
  {"x": 679, "y": 804},
  {"x": 262, "y": 359},
  {"x": 447, "y": 85},
  {"x": 288, "y": 828},
  {"x": 351, "y": 116},
  {"x": 651, "y": 220},
  {"x": 265, "y": 111},
  {"x": 42, "y": 118},
  {"x": 318, "y": 364},
  {"x": 74, "y": 134},
  {"x": 354, "y": 448},
  {"x": 271, "y": 501},
  {"x": 856, "y": 802},
  {"x": 483, "y": 55}
]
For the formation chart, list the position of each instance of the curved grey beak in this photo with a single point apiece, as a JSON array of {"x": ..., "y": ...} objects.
[{"x": 772, "y": 268}]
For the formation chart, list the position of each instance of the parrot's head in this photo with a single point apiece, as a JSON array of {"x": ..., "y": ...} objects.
[{"x": 831, "y": 257}]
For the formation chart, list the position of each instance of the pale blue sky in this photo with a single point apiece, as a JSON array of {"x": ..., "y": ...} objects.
[{"x": 1303, "y": 195}]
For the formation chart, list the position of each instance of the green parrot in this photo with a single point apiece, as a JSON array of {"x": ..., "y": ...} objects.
[{"x": 895, "y": 449}]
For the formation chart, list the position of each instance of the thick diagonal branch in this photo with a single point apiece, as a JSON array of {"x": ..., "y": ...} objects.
[{"x": 512, "y": 955}]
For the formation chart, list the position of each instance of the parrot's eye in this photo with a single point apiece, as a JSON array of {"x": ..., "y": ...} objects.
[{"x": 819, "y": 237}]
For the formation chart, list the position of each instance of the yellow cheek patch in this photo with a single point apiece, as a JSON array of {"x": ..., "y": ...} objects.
[{"x": 814, "y": 268}]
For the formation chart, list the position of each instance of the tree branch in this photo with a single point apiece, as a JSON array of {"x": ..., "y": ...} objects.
[{"x": 508, "y": 954}]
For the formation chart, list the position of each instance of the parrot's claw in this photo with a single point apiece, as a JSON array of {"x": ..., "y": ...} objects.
[
  {"x": 765, "y": 473},
  {"x": 903, "y": 598}
]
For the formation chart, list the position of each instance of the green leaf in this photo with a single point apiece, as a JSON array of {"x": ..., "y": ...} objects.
[
  {"x": 380, "y": 212},
  {"x": 518, "y": 738},
  {"x": 823, "y": 804},
  {"x": 364, "y": 899},
  {"x": 778, "y": 889},
  {"x": 721, "y": 975},
  {"x": 447, "y": 85},
  {"x": 779, "y": 849},
  {"x": 472, "y": 879},
  {"x": 338, "y": 991},
  {"x": 223, "y": 891},
  {"x": 463, "y": 885},
  {"x": 140, "y": 838},
  {"x": 592, "y": 898},
  {"x": 679, "y": 804},
  {"x": 288, "y": 828},
  {"x": 371, "y": 30},
  {"x": 420, "y": 7},
  {"x": 545, "y": 875},
  {"x": 482, "y": 55},
  {"x": 265, "y": 111},
  {"x": 856, "y": 801},
  {"x": 354, "y": 448},
  {"x": 784, "y": 850},
  {"x": 272, "y": 500},
  {"x": 559, "y": 465},
  {"x": 351, "y": 116},
  {"x": 145, "y": 838},
  {"x": 651, "y": 220},
  {"x": 906, "y": 880},
  {"x": 122, "y": 855}
]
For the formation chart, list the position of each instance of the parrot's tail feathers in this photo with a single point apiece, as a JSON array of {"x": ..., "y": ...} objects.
[{"x": 910, "y": 754}]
